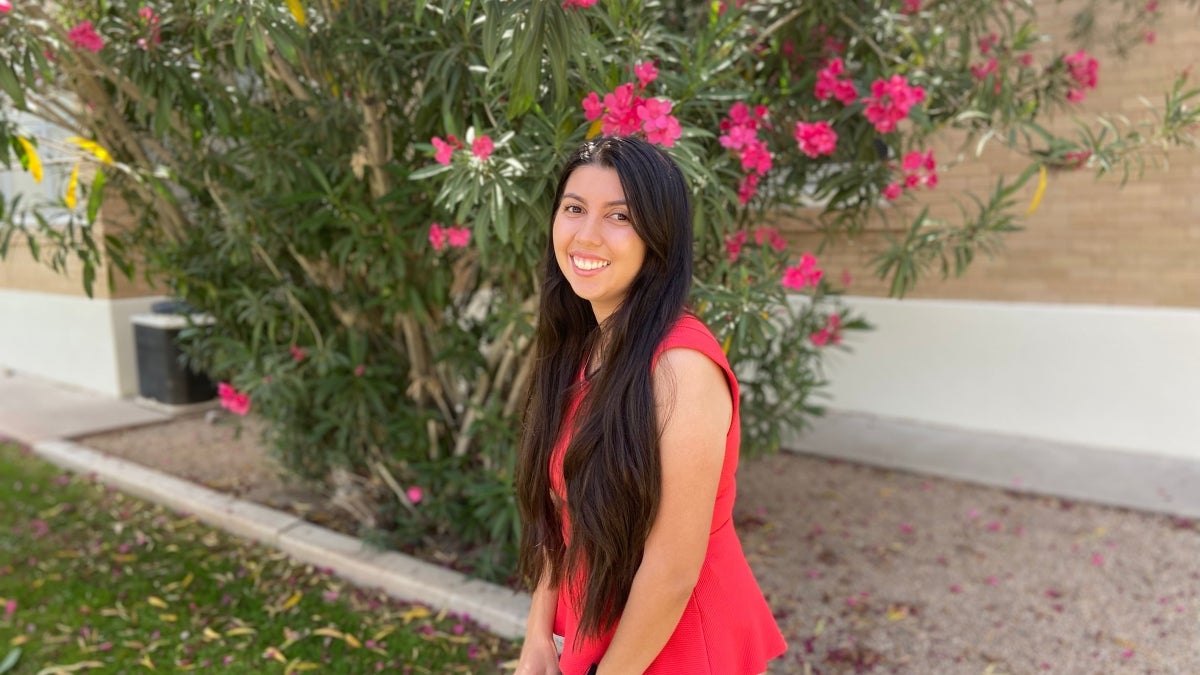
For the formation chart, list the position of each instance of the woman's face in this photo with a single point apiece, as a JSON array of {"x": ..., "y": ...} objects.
[{"x": 595, "y": 244}]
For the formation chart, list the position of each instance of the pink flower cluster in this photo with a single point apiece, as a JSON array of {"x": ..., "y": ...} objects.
[
  {"x": 623, "y": 112},
  {"x": 233, "y": 400},
  {"x": 579, "y": 4},
  {"x": 805, "y": 273},
  {"x": 1083, "y": 70},
  {"x": 298, "y": 353},
  {"x": 919, "y": 169},
  {"x": 816, "y": 139},
  {"x": 831, "y": 334},
  {"x": 444, "y": 150},
  {"x": 763, "y": 235},
  {"x": 455, "y": 237},
  {"x": 890, "y": 101},
  {"x": 741, "y": 136},
  {"x": 482, "y": 148},
  {"x": 981, "y": 71},
  {"x": 150, "y": 17},
  {"x": 84, "y": 36},
  {"x": 830, "y": 83}
]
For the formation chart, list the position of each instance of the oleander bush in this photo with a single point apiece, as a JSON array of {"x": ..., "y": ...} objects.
[{"x": 358, "y": 192}]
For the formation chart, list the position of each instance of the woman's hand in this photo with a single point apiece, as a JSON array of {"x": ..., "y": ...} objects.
[{"x": 538, "y": 657}]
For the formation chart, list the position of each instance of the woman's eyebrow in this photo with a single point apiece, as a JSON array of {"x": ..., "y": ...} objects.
[{"x": 572, "y": 195}]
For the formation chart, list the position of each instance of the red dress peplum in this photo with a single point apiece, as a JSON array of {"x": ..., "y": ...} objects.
[{"x": 727, "y": 627}]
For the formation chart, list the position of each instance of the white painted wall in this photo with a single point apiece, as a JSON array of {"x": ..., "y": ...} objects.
[
  {"x": 87, "y": 343},
  {"x": 1115, "y": 377}
]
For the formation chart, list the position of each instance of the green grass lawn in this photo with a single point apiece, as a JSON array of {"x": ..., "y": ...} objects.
[{"x": 92, "y": 580}]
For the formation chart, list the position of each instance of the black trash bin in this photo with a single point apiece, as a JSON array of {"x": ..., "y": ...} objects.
[{"x": 162, "y": 374}]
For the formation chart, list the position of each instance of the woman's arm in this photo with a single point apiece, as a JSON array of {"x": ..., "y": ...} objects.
[
  {"x": 538, "y": 654},
  {"x": 695, "y": 409}
]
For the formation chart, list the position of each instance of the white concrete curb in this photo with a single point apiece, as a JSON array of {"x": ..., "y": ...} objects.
[{"x": 498, "y": 609}]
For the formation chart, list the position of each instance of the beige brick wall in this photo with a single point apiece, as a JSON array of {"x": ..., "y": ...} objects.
[{"x": 1090, "y": 241}]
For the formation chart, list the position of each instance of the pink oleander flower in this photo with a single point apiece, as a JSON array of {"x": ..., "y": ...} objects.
[
  {"x": 438, "y": 236},
  {"x": 816, "y": 139},
  {"x": 831, "y": 335},
  {"x": 747, "y": 188},
  {"x": 738, "y": 137},
  {"x": 5, "y": 6},
  {"x": 84, "y": 36},
  {"x": 580, "y": 4},
  {"x": 1077, "y": 160},
  {"x": 415, "y": 494},
  {"x": 482, "y": 147},
  {"x": 756, "y": 157},
  {"x": 621, "y": 118},
  {"x": 233, "y": 400},
  {"x": 1025, "y": 59},
  {"x": 805, "y": 273},
  {"x": 892, "y": 191},
  {"x": 592, "y": 107},
  {"x": 1149, "y": 37},
  {"x": 734, "y": 244},
  {"x": 987, "y": 42},
  {"x": 739, "y": 114},
  {"x": 659, "y": 124},
  {"x": 771, "y": 236},
  {"x": 298, "y": 353},
  {"x": 1152, "y": 6},
  {"x": 457, "y": 237},
  {"x": 148, "y": 15},
  {"x": 911, "y": 6},
  {"x": 444, "y": 150},
  {"x": 830, "y": 84},
  {"x": 646, "y": 73},
  {"x": 1084, "y": 70},
  {"x": 10, "y": 607},
  {"x": 360, "y": 369},
  {"x": 890, "y": 101},
  {"x": 981, "y": 71}
]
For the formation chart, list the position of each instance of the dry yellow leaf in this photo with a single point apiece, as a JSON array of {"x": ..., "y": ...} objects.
[
  {"x": 292, "y": 601},
  {"x": 35, "y": 162},
  {"x": 297, "y": 9},
  {"x": 1037, "y": 195}
]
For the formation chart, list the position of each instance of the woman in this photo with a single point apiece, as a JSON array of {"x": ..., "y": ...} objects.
[{"x": 626, "y": 475}]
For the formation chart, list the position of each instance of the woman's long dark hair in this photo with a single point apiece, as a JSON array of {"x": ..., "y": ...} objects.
[{"x": 611, "y": 467}]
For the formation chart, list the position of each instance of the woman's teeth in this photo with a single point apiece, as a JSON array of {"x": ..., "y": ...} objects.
[{"x": 590, "y": 264}]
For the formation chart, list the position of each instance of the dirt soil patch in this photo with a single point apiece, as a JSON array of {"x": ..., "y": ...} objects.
[{"x": 868, "y": 570}]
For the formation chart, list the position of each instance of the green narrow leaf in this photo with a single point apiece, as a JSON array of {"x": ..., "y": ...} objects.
[
  {"x": 162, "y": 112},
  {"x": 11, "y": 85},
  {"x": 10, "y": 661},
  {"x": 89, "y": 276},
  {"x": 429, "y": 171},
  {"x": 95, "y": 196}
]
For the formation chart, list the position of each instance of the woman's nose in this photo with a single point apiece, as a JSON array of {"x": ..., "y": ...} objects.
[{"x": 590, "y": 230}]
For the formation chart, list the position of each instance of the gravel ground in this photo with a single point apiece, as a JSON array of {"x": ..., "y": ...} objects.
[{"x": 875, "y": 571}]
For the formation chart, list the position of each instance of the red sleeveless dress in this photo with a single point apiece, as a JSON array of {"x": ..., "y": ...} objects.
[{"x": 727, "y": 627}]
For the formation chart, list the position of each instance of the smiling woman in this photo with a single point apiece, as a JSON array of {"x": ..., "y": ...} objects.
[
  {"x": 626, "y": 475},
  {"x": 595, "y": 244}
]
